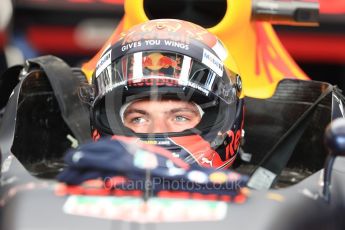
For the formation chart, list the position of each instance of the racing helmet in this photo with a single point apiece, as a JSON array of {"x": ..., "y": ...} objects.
[{"x": 169, "y": 59}]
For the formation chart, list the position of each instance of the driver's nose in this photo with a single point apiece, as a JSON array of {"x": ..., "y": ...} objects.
[{"x": 159, "y": 126}]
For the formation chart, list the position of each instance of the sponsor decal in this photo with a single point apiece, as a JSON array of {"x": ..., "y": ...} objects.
[
  {"x": 205, "y": 161},
  {"x": 155, "y": 210},
  {"x": 176, "y": 44},
  {"x": 169, "y": 82},
  {"x": 220, "y": 50},
  {"x": 275, "y": 196},
  {"x": 103, "y": 63},
  {"x": 155, "y": 42},
  {"x": 232, "y": 176},
  {"x": 198, "y": 177},
  {"x": 232, "y": 148},
  {"x": 163, "y": 142},
  {"x": 218, "y": 177},
  {"x": 213, "y": 62},
  {"x": 150, "y": 142},
  {"x": 198, "y": 87},
  {"x": 130, "y": 46},
  {"x": 154, "y": 82},
  {"x": 157, "y": 61}
]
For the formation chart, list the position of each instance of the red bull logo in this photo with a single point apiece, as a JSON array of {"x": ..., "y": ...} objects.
[
  {"x": 154, "y": 82},
  {"x": 157, "y": 61}
]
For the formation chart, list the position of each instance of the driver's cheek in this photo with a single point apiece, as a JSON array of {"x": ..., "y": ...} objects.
[{"x": 142, "y": 128}]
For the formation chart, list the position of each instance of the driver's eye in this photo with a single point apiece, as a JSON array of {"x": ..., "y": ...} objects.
[
  {"x": 181, "y": 119},
  {"x": 138, "y": 120}
]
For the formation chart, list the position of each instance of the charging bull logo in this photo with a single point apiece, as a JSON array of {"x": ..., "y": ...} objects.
[
  {"x": 162, "y": 65},
  {"x": 157, "y": 61}
]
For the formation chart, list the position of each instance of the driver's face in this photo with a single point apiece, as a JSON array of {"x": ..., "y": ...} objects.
[{"x": 147, "y": 116}]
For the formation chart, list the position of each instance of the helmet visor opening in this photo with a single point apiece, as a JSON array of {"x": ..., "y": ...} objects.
[{"x": 175, "y": 88}]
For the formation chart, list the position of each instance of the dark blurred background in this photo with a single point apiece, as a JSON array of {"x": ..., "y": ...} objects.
[{"x": 74, "y": 30}]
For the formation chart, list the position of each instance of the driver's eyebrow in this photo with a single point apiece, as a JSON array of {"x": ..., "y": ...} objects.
[
  {"x": 129, "y": 111},
  {"x": 184, "y": 109}
]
